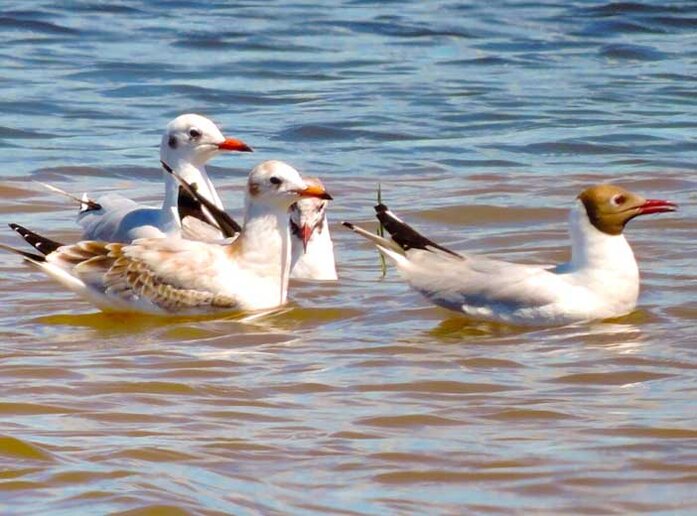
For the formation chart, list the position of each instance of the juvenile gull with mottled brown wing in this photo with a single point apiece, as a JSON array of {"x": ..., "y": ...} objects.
[{"x": 178, "y": 276}]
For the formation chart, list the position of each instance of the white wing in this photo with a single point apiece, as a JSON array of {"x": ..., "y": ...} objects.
[
  {"x": 120, "y": 220},
  {"x": 477, "y": 281}
]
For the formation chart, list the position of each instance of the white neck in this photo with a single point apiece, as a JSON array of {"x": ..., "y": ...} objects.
[
  {"x": 317, "y": 262},
  {"x": 265, "y": 243},
  {"x": 591, "y": 248},
  {"x": 602, "y": 264},
  {"x": 191, "y": 173}
]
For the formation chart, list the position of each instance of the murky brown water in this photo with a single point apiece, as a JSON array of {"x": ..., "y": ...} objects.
[{"x": 359, "y": 397}]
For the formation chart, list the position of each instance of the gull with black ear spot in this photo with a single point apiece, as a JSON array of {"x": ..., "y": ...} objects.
[
  {"x": 600, "y": 281},
  {"x": 312, "y": 246},
  {"x": 188, "y": 143},
  {"x": 175, "y": 276}
]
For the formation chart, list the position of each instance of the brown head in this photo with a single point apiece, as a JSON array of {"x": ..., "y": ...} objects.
[{"x": 610, "y": 207}]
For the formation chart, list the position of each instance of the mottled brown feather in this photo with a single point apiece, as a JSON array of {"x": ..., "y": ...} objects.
[{"x": 131, "y": 279}]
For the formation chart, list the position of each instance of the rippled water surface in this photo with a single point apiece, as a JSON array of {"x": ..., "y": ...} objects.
[{"x": 482, "y": 121}]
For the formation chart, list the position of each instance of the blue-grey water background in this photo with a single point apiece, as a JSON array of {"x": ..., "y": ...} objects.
[{"x": 482, "y": 121}]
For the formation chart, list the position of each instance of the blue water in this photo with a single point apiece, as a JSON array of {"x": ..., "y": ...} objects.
[
  {"x": 482, "y": 121},
  {"x": 348, "y": 86}
]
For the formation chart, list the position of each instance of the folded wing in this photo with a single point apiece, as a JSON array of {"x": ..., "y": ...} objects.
[{"x": 169, "y": 275}]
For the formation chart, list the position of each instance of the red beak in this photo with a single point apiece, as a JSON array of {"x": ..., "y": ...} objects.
[
  {"x": 305, "y": 235},
  {"x": 231, "y": 144},
  {"x": 656, "y": 206}
]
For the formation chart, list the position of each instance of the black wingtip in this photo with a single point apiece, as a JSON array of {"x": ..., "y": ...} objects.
[
  {"x": 167, "y": 168},
  {"x": 42, "y": 244},
  {"x": 31, "y": 256},
  {"x": 403, "y": 234},
  {"x": 90, "y": 205},
  {"x": 194, "y": 202}
]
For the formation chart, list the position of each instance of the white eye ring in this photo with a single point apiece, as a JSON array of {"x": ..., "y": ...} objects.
[{"x": 618, "y": 199}]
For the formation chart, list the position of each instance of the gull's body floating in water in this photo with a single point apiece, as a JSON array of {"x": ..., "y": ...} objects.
[
  {"x": 600, "y": 281},
  {"x": 173, "y": 275},
  {"x": 188, "y": 143}
]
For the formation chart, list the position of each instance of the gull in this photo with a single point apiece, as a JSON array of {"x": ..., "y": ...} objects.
[
  {"x": 312, "y": 247},
  {"x": 312, "y": 250},
  {"x": 188, "y": 143},
  {"x": 176, "y": 276},
  {"x": 600, "y": 281}
]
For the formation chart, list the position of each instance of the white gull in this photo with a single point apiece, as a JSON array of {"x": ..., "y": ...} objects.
[
  {"x": 600, "y": 281},
  {"x": 312, "y": 248},
  {"x": 188, "y": 143}
]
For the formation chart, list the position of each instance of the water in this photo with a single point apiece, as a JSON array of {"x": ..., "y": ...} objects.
[{"x": 482, "y": 121}]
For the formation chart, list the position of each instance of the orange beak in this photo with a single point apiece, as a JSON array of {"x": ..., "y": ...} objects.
[
  {"x": 315, "y": 191},
  {"x": 231, "y": 144}
]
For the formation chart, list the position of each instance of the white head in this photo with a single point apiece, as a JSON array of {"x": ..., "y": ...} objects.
[
  {"x": 307, "y": 216},
  {"x": 195, "y": 139},
  {"x": 277, "y": 184}
]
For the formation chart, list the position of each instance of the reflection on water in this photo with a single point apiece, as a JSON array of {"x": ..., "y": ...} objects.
[{"x": 482, "y": 122}]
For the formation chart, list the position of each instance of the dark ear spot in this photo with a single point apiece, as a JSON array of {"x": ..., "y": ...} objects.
[
  {"x": 172, "y": 142},
  {"x": 253, "y": 189}
]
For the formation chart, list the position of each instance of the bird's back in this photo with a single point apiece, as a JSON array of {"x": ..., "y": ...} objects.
[{"x": 120, "y": 220}]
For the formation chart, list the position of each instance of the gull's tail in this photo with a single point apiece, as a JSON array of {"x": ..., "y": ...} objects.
[
  {"x": 376, "y": 239},
  {"x": 385, "y": 246},
  {"x": 86, "y": 204},
  {"x": 404, "y": 235},
  {"x": 42, "y": 244},
  {"x": 36, "y": 259}
]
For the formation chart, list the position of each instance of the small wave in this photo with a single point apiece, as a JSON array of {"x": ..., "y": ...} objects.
[
  {"x": 36, "y": 26},
  {"x": 611, "y": 28},
  {"x": 20, "y": 449},
  {"x": 632, "y": 53},
  {"x": 9, "y": 132}
]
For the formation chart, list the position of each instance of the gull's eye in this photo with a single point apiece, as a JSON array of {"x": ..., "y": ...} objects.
[
  {"x": 619, "y": 199},
  {"x": 275, "y": 180},
  {"x": 194, "y": 133}
]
